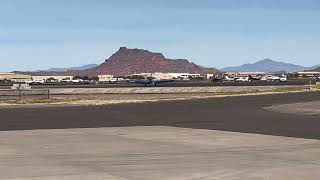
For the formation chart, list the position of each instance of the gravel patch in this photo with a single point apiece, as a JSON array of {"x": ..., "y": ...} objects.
[{"x": 307, "y": 108}]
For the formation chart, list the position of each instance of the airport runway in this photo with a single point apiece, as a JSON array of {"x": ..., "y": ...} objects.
[
  {"x": 173, "y": 84},
  {"x": 236, "y": 114}
]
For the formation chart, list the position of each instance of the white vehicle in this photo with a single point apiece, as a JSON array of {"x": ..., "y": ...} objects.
[
  {"x": 66, "y": 80},
  {"x": 76, "y": 81},
  {"x": 243, "y": 79},
  {"x": 227, "y": 78},
  {"x": 113, "y": 80},
  {"x": 29, "y": 82},
  {"x": 273, "y": 78},
  {"x": 264, "y": 78},
  {"x": 39, "y": 81},
  {"x": 283, "y": 78},
  {"x": 52, "y": 81},
  {"x": 35, "y": 82}
]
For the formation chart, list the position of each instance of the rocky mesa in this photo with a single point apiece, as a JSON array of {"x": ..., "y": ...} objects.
[{"x": 131, "y": 61}]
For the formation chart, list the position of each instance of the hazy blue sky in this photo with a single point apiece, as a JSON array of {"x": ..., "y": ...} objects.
[{"x": 38, "y": 34}]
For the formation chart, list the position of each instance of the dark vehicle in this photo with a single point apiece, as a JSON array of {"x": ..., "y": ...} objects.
[
  {"x": 151, "y": 81},
  {"x": 217, "y": 79}
]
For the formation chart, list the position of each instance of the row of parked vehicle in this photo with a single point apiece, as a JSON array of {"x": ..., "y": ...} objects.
[
  {"x": 282, "y": 78},
  {"x": 66, "y": 81}
]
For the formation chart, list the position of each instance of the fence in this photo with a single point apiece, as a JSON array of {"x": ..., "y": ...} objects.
[{"x": 20, "y": 94}]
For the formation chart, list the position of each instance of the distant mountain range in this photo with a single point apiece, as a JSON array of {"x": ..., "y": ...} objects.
[
  {"x": 84, "y": 67},
  {"x": 267, "y": 65},
  {"x": 132, "y": 61}
]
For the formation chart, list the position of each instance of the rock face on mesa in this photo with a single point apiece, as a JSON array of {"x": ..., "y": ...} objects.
[
  {"x": 131, "y": 61},
  {"x": 317, "y": 69}
]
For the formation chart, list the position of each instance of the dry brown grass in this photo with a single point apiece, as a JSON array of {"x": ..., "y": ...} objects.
[{"x": 97, "y": 101}]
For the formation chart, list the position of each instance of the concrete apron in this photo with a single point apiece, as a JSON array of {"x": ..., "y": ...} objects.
[{"x": 163, "y": 153}]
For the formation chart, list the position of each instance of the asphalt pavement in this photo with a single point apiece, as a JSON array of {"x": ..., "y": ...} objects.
[
  {"x": 172, "y": 84},
  {"x": 236, "y": 114},
  {"x": 216, "y": 138}
]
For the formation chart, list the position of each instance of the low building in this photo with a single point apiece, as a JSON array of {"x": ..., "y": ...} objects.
[
  {"x": 157, "y": 75},
  {"x": 46, "y": 78},
  {"x": 15, "y": 77},
  {"x": 184, "y": 75},
  {"x": 247, "y": 74},
  {"x": 168, "y": 76},
  {"x": 105, "y": 78},
  {"x": 308, "y": 74},
  {"x": 162, "y": 76},
  {"x": 142, "y": 74}
]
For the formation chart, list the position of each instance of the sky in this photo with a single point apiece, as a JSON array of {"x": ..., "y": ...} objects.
[{"x": 42, "y": 34}]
